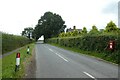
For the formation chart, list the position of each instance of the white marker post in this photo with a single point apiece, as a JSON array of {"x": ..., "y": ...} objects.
[
  {"x": 28, "y": 50},
  {"x": 17, "y": 62}
]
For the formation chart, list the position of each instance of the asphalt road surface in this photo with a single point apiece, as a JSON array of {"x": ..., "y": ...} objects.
[{"x": 54, "y": 62}]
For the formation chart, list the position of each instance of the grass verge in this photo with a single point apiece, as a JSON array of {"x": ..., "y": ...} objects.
[
  {"x": 100, "y": 56},
  {"x": 8, "y": 63}
]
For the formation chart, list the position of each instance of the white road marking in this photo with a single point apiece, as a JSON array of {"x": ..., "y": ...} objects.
[
  {"x": 51, "y": 50},
  {"x": 90, "y": 75},
  {"x": 62, "y": 57},
  {"x": 59, "y": 55},
  {"x": 45, "y": 46}
]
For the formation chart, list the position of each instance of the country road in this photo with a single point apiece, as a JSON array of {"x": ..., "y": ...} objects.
[{"x": 54, "y": 62}]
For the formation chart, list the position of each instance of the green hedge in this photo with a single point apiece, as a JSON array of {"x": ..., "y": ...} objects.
[
  {"x": 11, "y": 42},
  {"x": 95, "y": 43}
]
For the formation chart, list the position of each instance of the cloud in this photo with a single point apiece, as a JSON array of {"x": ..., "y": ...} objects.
[
  {"x": 119, "y": 14},
  {"x": 111, "y": 8},
  {"x": 24, "y": 13}
]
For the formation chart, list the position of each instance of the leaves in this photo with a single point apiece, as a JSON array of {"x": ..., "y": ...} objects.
[
  {"x": 27, "y": 32},
  {"x": 11, "y": 42},
  {"x": 111, "y": 27},
  {"x": 49, "y": 25},
  {"x": 94, "y": 30}
]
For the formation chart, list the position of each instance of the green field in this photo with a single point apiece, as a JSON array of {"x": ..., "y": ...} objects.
[{"x": 8, "y": 63}]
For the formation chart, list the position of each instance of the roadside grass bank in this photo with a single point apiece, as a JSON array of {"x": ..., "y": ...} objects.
[
  {"x": 9, "y": 62},
  {"x": 100, "y": 56}
]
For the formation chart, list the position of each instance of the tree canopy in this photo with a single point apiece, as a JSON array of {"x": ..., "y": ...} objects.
[
  {"x": 27, "y": 32},
  {"x": 84, "y": 30},
  {"x": 111, "y": 27},
  {"x": 49, "y": 25},
  {"x": 94, "y": 30}
]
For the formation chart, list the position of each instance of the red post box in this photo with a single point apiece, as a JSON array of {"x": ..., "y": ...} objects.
[{"x": 111, "y": 45}]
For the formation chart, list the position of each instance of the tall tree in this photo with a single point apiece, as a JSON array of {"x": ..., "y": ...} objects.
[
  {"x": 27, "y": 32},
  {"x": 49, "y": 25},
  {"x": 111, "y": 27},
  {"x": 84, "y": 31},
  {"x": 94, "y": 30}
]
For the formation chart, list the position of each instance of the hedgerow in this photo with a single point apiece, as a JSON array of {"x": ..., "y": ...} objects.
[
  {"x": 95, "y": 43},
  {"x": 11, "y": 42}
]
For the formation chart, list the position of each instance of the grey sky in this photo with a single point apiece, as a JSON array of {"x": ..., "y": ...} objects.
[
  {"x": 119, "y": 14},
  {"x": 15, "y": 15}
]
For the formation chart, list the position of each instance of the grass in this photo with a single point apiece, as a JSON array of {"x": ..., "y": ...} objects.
[
  {"x": 8, "y": 63},
  {"x": 0, "y": 69},
  {"x": 90, "y": 53}
]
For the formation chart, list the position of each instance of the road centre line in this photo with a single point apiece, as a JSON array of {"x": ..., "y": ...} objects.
[
  {"x": 62, "y": 57},
  {"x": 45, "y": 46},
  {"x": 90, "y": 75},
  {"x": 51, "y": 50},
  {"x": 59, "y": 55}
]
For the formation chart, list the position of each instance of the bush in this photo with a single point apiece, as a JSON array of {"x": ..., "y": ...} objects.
[
  {"x": 11, "y": 42},
  {"x": 95, "y": 43}
]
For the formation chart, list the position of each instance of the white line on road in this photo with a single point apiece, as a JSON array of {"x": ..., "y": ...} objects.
[
  {"x": 62, "y": 57},
  {"x": 90, "y": 75},
  {"x": 45, "y": 46},
  {"x": 51, "y": 50},
  {"x": 59, "y": 55}
]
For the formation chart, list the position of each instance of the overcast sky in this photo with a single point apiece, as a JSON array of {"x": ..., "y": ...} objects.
[{"x": 15, "y": 15}]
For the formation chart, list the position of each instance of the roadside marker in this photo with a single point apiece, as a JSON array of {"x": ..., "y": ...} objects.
[
  {"x": 17, "y": 62},
  {"x": 28, "y": 50}
]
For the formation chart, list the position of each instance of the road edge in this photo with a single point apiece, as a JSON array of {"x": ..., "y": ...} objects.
[{"x": 30, "y": 68}]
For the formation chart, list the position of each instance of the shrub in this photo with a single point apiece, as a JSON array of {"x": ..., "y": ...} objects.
[
  {"x": 95, "y": 43},
  {"x": 11, "y": 42}
]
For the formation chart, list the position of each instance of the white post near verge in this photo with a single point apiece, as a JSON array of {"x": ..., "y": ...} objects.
[
  {"x": 28, "y": 50},
  {"x": 17, "y": 62}
]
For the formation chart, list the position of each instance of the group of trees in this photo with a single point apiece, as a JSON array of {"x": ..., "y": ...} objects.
[
  {"x": 52, "y": 25},
  {"x": 73, "y": 33},
  {"x": 27, "y": 32},
  {"x": 49, "y": 25},
  {"x": 110, "y": 28}
]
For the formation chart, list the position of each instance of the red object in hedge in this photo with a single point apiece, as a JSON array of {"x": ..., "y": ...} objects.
[{"x": 111, "y": 45}]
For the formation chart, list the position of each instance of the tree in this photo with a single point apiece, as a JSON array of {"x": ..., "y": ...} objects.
[
  {"x": 75, "y": 33},
  {"x": 62, "y": 34},
  {"x": 84, "y": 31},
  {"x": 27, "y": 32},
  {"x": 94, "y": 30},
  {"x": 111, "y": 27},
  {"x": 49, "y": 25},
  {"x": 68, "y": 34}
]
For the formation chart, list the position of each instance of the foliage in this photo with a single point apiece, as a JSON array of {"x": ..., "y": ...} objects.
[
  {"x": 84, "y": 31},
  {"x": 8, "y": 63},
  {"x": 94, "y": 30},
  {"x": 11, "y": 42},
  {"x": 49, "y": 25},
  {"x": 111, "y": 27},
  {"x": 69, "y": 34},
  {"x": 27, "y": 32},
  {"x": 75, "y": 32},
  {"x": 95, "y": 43},
  {"x": 62, "y": 34}
]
